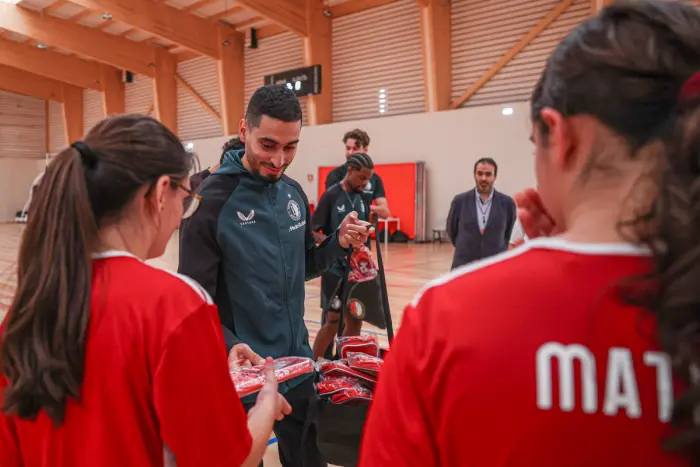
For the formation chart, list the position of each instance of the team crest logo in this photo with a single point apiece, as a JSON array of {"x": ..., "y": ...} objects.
[
  {"x": 336, "y": 303},
  {"x": 245, "y": 220},
  {"x": 357, "y": 309},
  {"x": 294, "y": 210}
]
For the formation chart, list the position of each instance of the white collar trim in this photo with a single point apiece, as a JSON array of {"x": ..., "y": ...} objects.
[{"x": 113, "y": 254}]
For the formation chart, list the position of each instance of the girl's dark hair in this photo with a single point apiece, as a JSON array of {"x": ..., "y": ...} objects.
[
  {"x": 634, "y": 67},
  {"x": 360, "y": 160},
  {"x": 84, "y": 188}
]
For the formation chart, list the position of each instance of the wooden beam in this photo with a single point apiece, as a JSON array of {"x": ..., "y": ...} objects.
[
  {"x": 318, "y": 50},
  {"x": 73, "y": 113},
  {"x": 89, "y": 42},
  {"x": 197, "y": 5},
  {"x": 356, "y": 6},
  {"x": 113, "y": 92},
  {"x": 159, "y": 19},
  {"x": 225, "y": 13},
  {"x": 196, "y": 96},
  {"x": 29, "y": 84},
  {"x": 71, "y": 70},
  {"x": 54, "y": 6},
  {"x": 165, "y": 90},
  {"x": 436, "y": 32},
  {"x": 270, "y": 30},
  {"x": 281, "y": 12},
  {"x": 231, "y": 78},
  {"x": 515, "y": 50}
]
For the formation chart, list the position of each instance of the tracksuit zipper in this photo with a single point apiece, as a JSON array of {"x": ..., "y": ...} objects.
[{"x": 284, "y": 268}]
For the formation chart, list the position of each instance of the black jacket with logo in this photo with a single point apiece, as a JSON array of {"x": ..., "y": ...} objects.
[{"x": 250, "y": 245}]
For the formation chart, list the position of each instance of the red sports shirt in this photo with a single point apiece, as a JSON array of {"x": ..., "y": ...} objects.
[
  {"x": 156, "y": 389},
  {"x": 526, "y": 359}
]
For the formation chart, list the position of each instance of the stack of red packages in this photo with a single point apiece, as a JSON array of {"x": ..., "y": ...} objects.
[
  {"x": 249, "y": 380},
  {"x": 351, "y": 379}
]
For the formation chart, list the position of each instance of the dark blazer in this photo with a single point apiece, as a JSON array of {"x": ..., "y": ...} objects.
[{"x": 463, "y": 227}]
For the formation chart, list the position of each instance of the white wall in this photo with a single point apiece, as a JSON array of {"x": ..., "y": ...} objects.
[
  {"x": 449, "y": 142},
  {"x": 16, "y": 177}
]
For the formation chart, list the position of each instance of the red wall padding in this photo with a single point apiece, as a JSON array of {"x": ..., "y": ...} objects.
[{"x": 400, "y": 186}]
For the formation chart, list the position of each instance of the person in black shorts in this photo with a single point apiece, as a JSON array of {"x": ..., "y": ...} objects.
[{"x": 335, "y": 203}]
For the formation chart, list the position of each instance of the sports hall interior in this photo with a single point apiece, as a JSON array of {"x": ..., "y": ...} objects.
[{"x": 437, "y": 84}]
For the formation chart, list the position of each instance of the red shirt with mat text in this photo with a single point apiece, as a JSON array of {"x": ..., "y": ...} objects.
[{"x": 526, "y": 359}]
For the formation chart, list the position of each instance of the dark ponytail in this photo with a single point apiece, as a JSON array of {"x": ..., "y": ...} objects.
[
  {"x": 43, "y": 355},
  {"x": 84, "y": 188},
  {"x": 674, "y": 242},
  {"x": 634, "y": 67}
]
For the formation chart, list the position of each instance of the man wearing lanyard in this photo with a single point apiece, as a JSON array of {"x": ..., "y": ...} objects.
[{"x": 480, "y": 222}]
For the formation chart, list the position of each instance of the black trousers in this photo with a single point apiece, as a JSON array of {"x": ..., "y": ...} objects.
[{"x": 290, "y": 431}]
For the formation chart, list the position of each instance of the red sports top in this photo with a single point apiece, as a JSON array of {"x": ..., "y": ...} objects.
[
  {"x": 156, "y": 390},
  {"x": 525, "y": 359}
]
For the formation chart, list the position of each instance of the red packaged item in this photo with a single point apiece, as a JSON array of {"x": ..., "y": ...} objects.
[
  {"x": 331, "y": 386},
  {"x": 362, "y": 267},
  {"x": 362, "y": 344},
  {"x": 365, "y": 363},
  {"x": 353, "y": 396},
  {"x": 340, "y": 368},
  {"x": 249, "y": 380}
]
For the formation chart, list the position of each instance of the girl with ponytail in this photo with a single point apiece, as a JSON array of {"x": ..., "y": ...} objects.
[
  {"x": 104, "y": 360},
  {"x": 582, "y": 347}
]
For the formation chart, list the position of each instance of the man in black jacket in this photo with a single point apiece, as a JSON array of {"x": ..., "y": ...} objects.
[
  {"x": 250, "y": 245},
  {"x": 481, "y": 220}
]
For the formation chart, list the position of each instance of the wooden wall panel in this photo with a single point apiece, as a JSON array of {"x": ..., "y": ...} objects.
[
  {"x": 373, "y": 50},
  {"x": 194, "y": 121},
  {"x": 139, "y": 95},
  {"x": 477, "y": 45},
  {"x": 22, "y": 126}
]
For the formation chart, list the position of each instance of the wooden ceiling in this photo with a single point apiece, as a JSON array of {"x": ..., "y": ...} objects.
[{"x": 123, "y": 28}]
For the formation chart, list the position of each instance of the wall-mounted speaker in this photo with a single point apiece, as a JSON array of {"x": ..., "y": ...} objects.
[
  {"x": 128, "y": 77},
  {"x": 253, "y": 38}
]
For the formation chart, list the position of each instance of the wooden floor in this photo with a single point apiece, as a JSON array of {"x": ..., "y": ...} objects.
[{"x": 407, "y": 268}]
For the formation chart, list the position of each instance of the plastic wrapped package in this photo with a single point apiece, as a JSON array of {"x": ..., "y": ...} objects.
[
  {"x": 361, "y": 344},
  {"x": 340, "y": 368},
  {"x": 329, "y": 386},
  {"x": 356, "y": 395},
  {"x": 365, "y": 363},
  {"x": 249, "y": 380}
]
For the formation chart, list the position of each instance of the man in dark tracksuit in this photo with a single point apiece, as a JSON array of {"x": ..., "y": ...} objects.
[
  {"x": 481, "y": 220},
  {"x": 250, "y": 245}
]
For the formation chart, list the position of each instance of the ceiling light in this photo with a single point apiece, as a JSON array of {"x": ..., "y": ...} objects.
[
  {"x": 107, "y": 16},
  {"x": 507, "y": 111},
  {"x": 41, "y": 46}
]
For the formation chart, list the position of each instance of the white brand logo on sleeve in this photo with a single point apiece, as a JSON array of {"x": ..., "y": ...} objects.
[
  {"x": 621, "y": 392},
  {"x": 246, "y": 220}
]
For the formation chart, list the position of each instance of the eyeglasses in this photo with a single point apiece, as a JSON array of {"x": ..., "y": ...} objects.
[{"x": 191, "y": 203}]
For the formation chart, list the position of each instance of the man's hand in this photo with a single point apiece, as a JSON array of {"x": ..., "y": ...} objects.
[
  {"x": 353, "y": 231},
  {"x": 534, "y": 217},
  {"x": 243, "y": 355}
]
